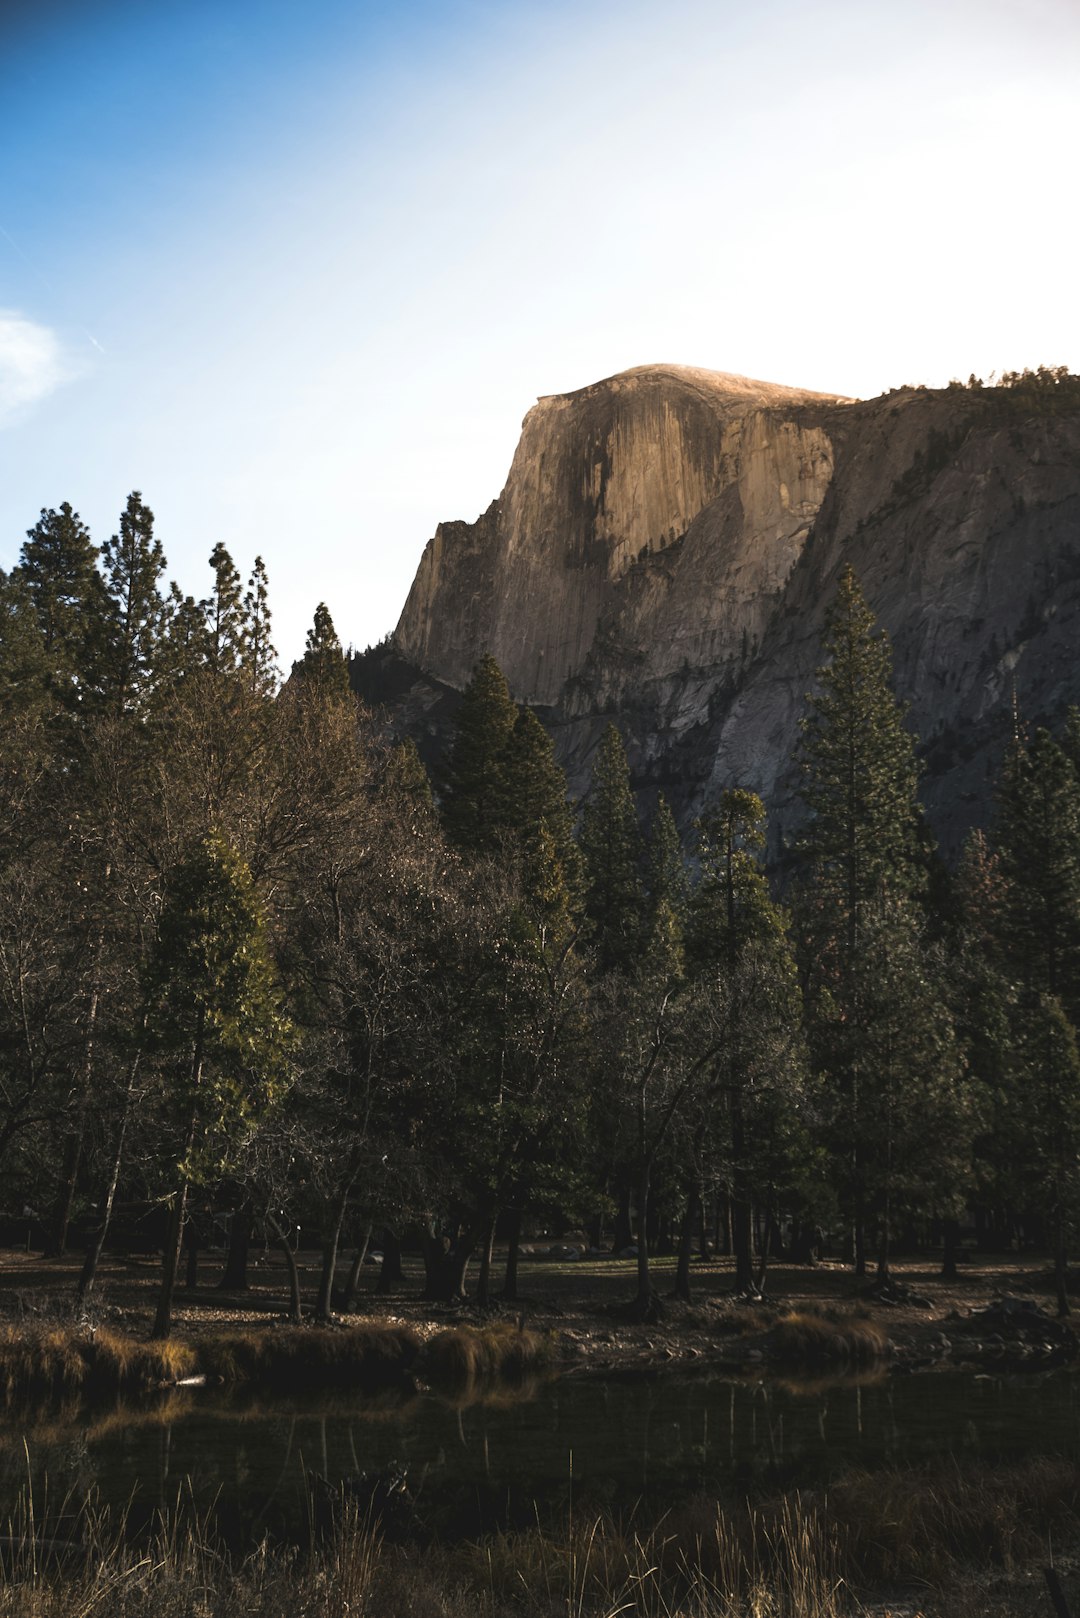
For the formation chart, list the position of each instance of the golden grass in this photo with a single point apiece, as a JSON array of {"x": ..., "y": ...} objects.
[
  {"x": 925, "y": 1522},
  {"x": 828, "y": 1337},
  {"x": 61, "y": 1363},
  {"x": 298, "y": 1358},
  {"x": 468, "y": 1356},
  {"x": 795, "y": 1557}
]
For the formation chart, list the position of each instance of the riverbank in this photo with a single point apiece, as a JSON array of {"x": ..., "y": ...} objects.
[{"x": 998, "y": 1313}]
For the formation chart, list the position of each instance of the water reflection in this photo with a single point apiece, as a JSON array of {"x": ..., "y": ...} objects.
[{"x": 490, "y": 1459}]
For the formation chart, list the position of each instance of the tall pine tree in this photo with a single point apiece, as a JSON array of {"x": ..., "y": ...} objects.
[
  {"x": 860, "y": 851},
  {"x": 613, "y": 851}
]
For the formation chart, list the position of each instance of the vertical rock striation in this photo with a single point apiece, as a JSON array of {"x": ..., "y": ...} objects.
[{"x": 667, "y": 543}]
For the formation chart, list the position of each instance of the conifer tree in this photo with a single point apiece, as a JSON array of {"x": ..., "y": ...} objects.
[
  {"x": 184, "y": 647},
  {"x": 474, "y": 797},
  {"x": 860, "y": 852},
  {"x": 612, "y": 848},
  {"x": 24, "y": 663},
  {"x": 1038, "y": 833},
  {"x": 217, "y": 1021},
  {"x": 748, "y": 1007},
  {"x": 258, "y": 656},
  {"x": 536, "y": 813},
  {"x": 323, "y": 666},
  {"x": 58, "y": 566},
  {"x": 224, "y": 611},
  {"x": 668, "y": 883},
  {"x": 859, "y": 772},
  {"x": 1046, "y": 1136},
  {"x": 133, "y": 562}
]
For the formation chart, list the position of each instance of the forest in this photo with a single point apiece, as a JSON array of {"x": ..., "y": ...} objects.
[{"x": 258, "y": 973}]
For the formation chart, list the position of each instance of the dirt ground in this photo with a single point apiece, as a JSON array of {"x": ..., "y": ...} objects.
[{"x": 583, "y": 1302}]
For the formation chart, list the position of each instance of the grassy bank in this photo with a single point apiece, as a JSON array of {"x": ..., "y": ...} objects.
[
  {"x": 64, "y": 1364},
  {"x": 930, "y": 1541}
]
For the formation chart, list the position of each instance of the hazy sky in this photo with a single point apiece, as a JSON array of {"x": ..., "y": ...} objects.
[{"x": 296, "y": 269}]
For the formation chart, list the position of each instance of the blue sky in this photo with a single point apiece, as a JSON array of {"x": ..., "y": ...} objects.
[{"x": 297, "y": 268}]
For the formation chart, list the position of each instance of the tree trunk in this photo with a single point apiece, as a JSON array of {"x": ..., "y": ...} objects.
[
  {"x": 647, "y": 1305},
  {"x": 352, "y": 1285},
  {"x": 235, "y": 1277},
  {"x": 703, "y": 1228},
  {"x": 1060, "y": 1266},
  {"x": 952, "y": 1247},
  {"x": 324, "y": 1307},
  {"x": 686, "y": 1244},
  {"x": 483, "y": 1280},
  {"x": 765, "y": 1248},
  {"x": 390, "y": 1271},
  {"x": 281, "y": 1236},
  {"x": 859, "y": 1232},
  {"x": 741, "y": 1211},
  {"x": 624, "y": 1229},
  {"x": 510, "y": 1275},
  {"x": 57, "y": 1240},
  {"x": 171, "y": 1263},
  {"x": 191, "y": 1244},
  {"x": 97, "y": 1241},
  {"x": 883, "y": 1271}
]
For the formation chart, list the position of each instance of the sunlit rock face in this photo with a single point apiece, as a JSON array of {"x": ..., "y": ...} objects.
[
  {"x": 603, "y": 479},
  {"x": 668, "y": 541}
]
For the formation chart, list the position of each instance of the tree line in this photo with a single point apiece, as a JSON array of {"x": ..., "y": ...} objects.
[{"x": 252, "y": 960}]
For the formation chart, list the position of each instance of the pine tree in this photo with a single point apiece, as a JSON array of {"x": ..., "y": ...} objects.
[
  {"x": 535, "y": 811},
  {"x": 474, "y": 797},
  {"x": 914, "y": 1110},
  {"x": 748, "y": 1009},
  {"x": 1038, "y": 833},
  {"x": 184, "y": 646},
  {"x": 24, "y": 663},
  {"x": 58, "y": 566},
  {"x": 860, "y": 852},
  {"x": 258, "y": 657},
  {"x": 1046, "y": 1135},
  {"x": 323, "y": 666},
  {"x": 859, "y": 772},
  {"x": 217, "y": 1021},
  {"x": 133, "y": 562},
  {"x": 224, "y": 612},
  {"x": 668, "y": 884},
  {"x": 613, "y": 851}
]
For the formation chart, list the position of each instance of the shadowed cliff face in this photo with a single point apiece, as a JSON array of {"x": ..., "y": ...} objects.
[{"x": 668, "y": 541}]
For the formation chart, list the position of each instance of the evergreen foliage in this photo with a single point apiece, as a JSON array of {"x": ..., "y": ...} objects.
[
  {"x": 224, "y": 612},
  {"x": 859, "y": 773},
  {"x": 612, "y": 850},
  {"x": 57, "y": 565},
  {"x": 323, "y": 665},
  {"x": 1038, "y": 833},
  {"x": 133, "y": 562},
  {"x": 475, "y": 799}
]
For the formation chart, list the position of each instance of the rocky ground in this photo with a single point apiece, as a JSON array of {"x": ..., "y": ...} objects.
[{"x": 998, "y": 1314}]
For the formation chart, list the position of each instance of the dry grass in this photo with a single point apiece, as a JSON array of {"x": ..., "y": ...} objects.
[
  {"x": 60, "y": 1365},
  {"x": 467, "y": 1357},
  {"x": 57, "y": 1364},
  {"x": 827, "y": 1337},
  {"x": 792, "y": 1558},
  {"x": 929, "y": 1522},
  {"x": 297, "y": 1359}
]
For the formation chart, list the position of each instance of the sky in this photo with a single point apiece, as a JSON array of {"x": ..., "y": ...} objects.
[{"x": 296, "y": 269}]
